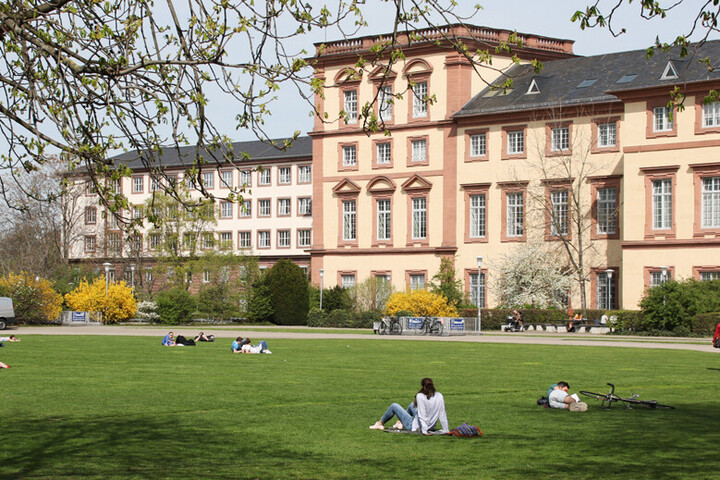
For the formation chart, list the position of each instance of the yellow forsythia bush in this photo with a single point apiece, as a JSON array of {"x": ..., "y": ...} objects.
[
  {"x": 421, "y": 303},
  {"x": 34, "y": 298},
  {"x": 118, "y": 304}
]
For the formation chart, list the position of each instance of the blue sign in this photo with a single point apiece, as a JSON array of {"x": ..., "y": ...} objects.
[
  {"x": 78, "y": 316},
  {"x": 414, "y": 323},
  {"x": 457, "y": 324}
]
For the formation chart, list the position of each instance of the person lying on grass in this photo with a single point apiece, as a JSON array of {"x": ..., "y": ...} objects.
[
  {"x": 261, "y": 347},
  {"x": 11, "y": 338},
  {"x": 2, "y": 365},
  {"x": 238, "y": 343},
  {"x": 201, "y": 337},
  {"x": 559, "y": 398},
  {"x": 429, "y": 407}
]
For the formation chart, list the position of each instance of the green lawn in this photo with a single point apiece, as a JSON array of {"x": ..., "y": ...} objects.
[{"x": 125, "y": 407}]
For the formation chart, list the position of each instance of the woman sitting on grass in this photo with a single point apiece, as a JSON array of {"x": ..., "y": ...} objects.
[{"x": 427, "y": 408}]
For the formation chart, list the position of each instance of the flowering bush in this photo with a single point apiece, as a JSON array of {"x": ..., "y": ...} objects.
[
  {"x": 34, "y": 299},
  {"x": 421, "y": 303},
  {"x": 147, "y": 310},
  {"x": 118, "y": 304}
]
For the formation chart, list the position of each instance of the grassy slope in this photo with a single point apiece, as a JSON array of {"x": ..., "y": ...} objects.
[{"x": 124, "y": 407}]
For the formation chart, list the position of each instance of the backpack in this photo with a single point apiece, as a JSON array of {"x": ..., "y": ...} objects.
[
  {"x": 716, "y": 343},
  {"x": 466, "y": 430},
  {"x": 543, "y": 402}
]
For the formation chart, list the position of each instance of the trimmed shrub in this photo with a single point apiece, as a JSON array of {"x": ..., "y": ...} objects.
[
  {"x": 259, "y": 308},
  {"x": 317, "y": 318},
  {"x": 217, "y": 301},
  {"x": 288, "y": 293},
  {"x": 672, "y": 305},
  {"x": 342, "y": 318},
  {"x": 116, "y": 305},
  {"x": 629, "y": 321},
  {"x": 705, "y": 323},
  {"x": 34, "y": 300},
  {"x": 174, "y": 306},
  {"x": 337, "y": 298}
]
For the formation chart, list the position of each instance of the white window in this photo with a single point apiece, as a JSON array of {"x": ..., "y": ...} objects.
[
  {"x": 264, "y": 176},
  {"x": 516, "y": 142},
  {"x": 116, "y": 185},
  {"x": 264, "y": 208},
  {"x": 707, "y": 276},
  {"x": 477, "y": 289},
  {"x": 153, "y": 241},
  {"x": 246, "y": 208},
  {"x": 384, "y": 153},
  {"x": 560, "y": 139},
  {"x": 226, "y": 209},
  {"x": 607, "y": 135},
  {"x": 89, "y": 243},
  {"x": 244, "y": 240},
  {"x": 383, "y": 219},
  {"x": 90, "y": 215},
  {"x": 136, "y": 243},
  {"x": 351, "y": 106},
  {"x": 208, "y": 240},
  {"x": 711, "y": 114},
  {"x": 264, "y": 239},
  {"x": 304, "y": 174},
  {"x": 283, "y": 206},
  {"x": 606, "y": 210},
  {"x": 477, "y": 216},
  {"x": 226, "y": 178},
  {"x": 657, "y": 278},
  {"x": 226, "y": 240},
  {"x": 662, "y": 204},
  {"x": 113, "y": 221},
  {"x": 245, "y": 178},
  {"x": 419, "y": 150},
  {"x": 304, "y": 206},
  {"x": 349, "y": 220},
  {"x": 138, "y": 184},
  {"x": 224, "y": 274},
  {"x": 478, "y": 145},
  {"x": 662, "y": 121},
  {"x": 420, "y": 91},
  {"x": 284, "y": 175},
  {"x": 208, "y": 179},
  {"x": 115, "y": 242},
  {"x": 304, "y": 239},
  {"x": 137, "y": 212},
  {"x": 347, "y": 281},
  {"x": 710, "y": 202},
  {"x": 154, "y": 184},
  {"x": 284, "y": 238},
  {"x": 559, "y": 203},
  {"x": 349, "y": 155},
  {"x": 605, "y": 291},
  {"x": 419, "y": 218},
  {"x": 417, "y": 282},
  {"x": 515, "y": 218},
  {"x": 206, "y": 276},
  {"x": 385, "y": 100}
]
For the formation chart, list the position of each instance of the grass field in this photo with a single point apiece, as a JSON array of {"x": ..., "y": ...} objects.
[{"x": 125, "y": 407}]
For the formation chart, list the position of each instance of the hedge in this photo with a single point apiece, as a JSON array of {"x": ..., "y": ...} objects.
[
  {"x": 342, "y": 318},
  {"x": 705, "y": 323}
]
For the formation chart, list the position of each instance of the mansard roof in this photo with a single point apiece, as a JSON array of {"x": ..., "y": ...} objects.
[
  {"x": 569, "y": 82},
  {"x": 253, "y": 151}
]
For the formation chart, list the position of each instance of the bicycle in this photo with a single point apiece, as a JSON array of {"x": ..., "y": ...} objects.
[
  {"x": 609, "y": 398},
  {"x": 390, "y": 326},
  {"x": 432, "y": 327}
]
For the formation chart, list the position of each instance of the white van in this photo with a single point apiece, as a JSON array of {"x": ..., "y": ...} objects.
[{"x": 7, "y": 312}]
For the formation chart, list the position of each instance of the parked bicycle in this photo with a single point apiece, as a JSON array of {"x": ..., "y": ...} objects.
[
  {"x": 431, "y": 326},
  {"x": 609, "y": 398},
  {"x": 390, "y": 326}
]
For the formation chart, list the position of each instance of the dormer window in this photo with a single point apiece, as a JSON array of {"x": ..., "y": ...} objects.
[
  {"x": 533, "y": 88},
  {"x": 669, "y": 72}
]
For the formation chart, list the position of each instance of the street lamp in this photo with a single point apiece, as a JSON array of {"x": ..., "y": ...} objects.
[
  {"x": 107, "y": 266},
  {"x": 479, "y": 264},
  {"x": 608, "y": 274},
  {"x": 322, "y": 274},
  {"x": 132, "y": 275}
]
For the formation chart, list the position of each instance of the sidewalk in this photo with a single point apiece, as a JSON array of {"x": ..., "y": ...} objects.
[{"x": 266, "y": 332}]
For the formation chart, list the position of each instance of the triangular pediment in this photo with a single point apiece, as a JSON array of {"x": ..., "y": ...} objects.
[
  {"x": 381, "y": 184},
  {"x": 415, "y": 183},
  {"x": 346, "y": 187}
]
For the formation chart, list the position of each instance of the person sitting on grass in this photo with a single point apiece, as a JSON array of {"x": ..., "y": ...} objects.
[
  {"x": 429, "y": 408},
  {"x": 559, "y": 398},
  {"x": 168, "y": 340},
  {"x": 11, "y": 338},
  {"x": 261, "y": 347},
  {"x": 238, "y": 343}
]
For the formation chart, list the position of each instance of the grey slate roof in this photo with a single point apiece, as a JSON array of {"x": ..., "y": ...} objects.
[
  {"x": 559, "y": 79},
  {"x": 250, "y": 151}
]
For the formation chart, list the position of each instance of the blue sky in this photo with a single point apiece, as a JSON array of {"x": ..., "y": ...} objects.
[{"x": 548, "y": 18}]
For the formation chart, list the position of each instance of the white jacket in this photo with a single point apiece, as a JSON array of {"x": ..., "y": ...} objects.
[{"x": 429, "y": 412}]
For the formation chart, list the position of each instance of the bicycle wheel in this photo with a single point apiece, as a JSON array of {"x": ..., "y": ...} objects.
[
  {"x": 437, "y": 329},
  {"x": 596, "y": 396},
  {"x": 383, "y": 330},
  {"x": 646, "y": 403},
  {"x": 395, "y": 328}
]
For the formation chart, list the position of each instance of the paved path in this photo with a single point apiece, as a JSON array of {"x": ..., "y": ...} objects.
[{"x": 267, "y": 332}]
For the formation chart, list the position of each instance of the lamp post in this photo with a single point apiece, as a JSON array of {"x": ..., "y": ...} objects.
[
  {"x": 132, "y": 275},
  {"x": 479, "y": 265},
  {"x": 322, "y": 274},
  {"x": 107, "y": 266},
  {"x": 663, "y": 278},
  {"x": 608, "y": 274}
]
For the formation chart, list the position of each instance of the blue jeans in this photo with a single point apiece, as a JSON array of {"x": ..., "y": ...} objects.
[
  {"x": 263, "y": 345},
  {"x": 404, "y": 415}
]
